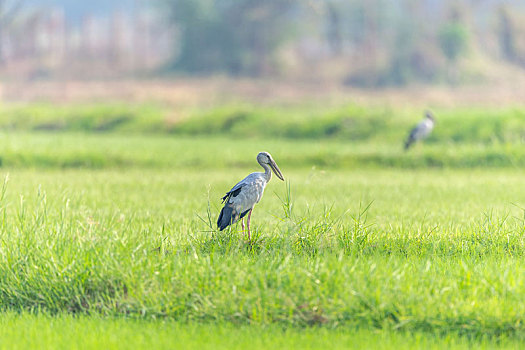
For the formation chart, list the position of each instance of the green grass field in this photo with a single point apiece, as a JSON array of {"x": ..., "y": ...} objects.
[{"x": 113, "y": 231}]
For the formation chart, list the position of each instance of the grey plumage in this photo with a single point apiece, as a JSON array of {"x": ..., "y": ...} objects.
[
  {"x": 229, "y": 214},
  {"x": 240, "y": 200},
  {"x": 421, "y": 130}
]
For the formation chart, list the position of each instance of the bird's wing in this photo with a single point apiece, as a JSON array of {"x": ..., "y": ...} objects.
[
  {"x": 418, "y": 130},
  {"x": 413, "y": 132},
  {"x": 234, "y": 192}
]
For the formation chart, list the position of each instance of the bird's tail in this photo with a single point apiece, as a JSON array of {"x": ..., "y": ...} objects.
[{"x": 226, "y": 217}]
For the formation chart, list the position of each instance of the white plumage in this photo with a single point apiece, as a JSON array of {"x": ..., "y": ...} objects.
[
  {"x": 241, "y": 199},
  {"x": 421, "y": 130}
]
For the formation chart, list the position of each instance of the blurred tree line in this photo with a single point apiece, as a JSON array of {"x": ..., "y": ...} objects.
[
  {"x": 374, "y": 42},
  {"x": 9, "y": 10},
  {"x": 236, "y": 36}
]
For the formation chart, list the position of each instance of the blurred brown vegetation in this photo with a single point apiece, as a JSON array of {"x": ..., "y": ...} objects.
[
  {"x": 353, "y": 43},
  {"x": 41, "y": 42},
  {"x": 373, "y": 43}
]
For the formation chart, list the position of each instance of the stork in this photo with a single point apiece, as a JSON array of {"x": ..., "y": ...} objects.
[
  {"x": 421, "y": 130},
  {"x": 241, "y": 199}
]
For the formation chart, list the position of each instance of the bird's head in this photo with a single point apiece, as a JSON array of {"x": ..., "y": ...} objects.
[
  {"x": 266, "y": 158},
  {"x": 429, "y": 115}
]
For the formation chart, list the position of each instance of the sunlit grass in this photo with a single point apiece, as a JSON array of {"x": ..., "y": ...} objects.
[
  {"x": 420, "y": 258},
  {"x": 95, "y": 151},
  {"x": 68, "y": 332},
  {"x": 364, "y": 243},
  {"x": 351, "y": 122}
]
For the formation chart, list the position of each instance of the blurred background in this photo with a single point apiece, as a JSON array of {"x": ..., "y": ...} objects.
[
  {"x": 364, "y": 44},
  {"x": 358, "y": 72}
]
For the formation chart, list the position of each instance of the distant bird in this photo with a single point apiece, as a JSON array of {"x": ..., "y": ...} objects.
[
  {"x": 241, "y": 199},
  {"x": 421, "y": 130}
]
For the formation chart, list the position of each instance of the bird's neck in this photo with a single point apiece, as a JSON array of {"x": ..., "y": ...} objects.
[{"x": 267, "y": 172}]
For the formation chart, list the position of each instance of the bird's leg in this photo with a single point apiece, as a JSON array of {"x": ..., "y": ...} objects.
[
  {"x": 249, "y": 217},
  {"x": 242, "y": 224}
]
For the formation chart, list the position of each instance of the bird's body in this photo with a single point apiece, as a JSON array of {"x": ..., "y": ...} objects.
[
  {"x": 421, "y": 130},
  {"x": 241, "y": 199}
]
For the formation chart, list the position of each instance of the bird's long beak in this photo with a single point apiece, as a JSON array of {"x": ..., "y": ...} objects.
[{"x": 276, "y": 169}]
